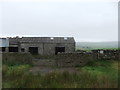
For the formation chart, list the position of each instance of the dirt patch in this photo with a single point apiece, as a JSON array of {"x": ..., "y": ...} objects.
[
  {"x": 43, "y": 66},
  {"x": 44, "y": 70},
  {"x": 41, "y": 70}
]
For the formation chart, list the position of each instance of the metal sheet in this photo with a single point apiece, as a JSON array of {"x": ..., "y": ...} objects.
[{"x": 4, "y": 42}]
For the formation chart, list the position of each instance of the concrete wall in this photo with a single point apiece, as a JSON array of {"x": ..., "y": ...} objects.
[
  {"x": 27, "y": 45},
  {"x": 47, "y": 48}
]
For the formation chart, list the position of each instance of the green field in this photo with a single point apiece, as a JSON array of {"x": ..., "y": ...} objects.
[
  {"x": 100, "y": 74},
  {"x": 96, "y": 45}
]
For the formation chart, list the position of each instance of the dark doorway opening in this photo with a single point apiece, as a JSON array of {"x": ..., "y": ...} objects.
[
  {"x": 33, "y": 50},
  {"x": 22, "y": 50},
  {"x": 13, "y": 49},
  {"x": 59, "y": 49},
  {"x": 3, "y": 49}
]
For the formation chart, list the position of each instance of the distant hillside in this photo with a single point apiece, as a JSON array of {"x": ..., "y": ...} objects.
[{"x": 96, "y": 45}]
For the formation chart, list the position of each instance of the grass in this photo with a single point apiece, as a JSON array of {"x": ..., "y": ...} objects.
[
  {"x": 107, "y": 48},
  {"x": 10, "y": 73},
  {"x": 109, "y": 68},
  {"x": 97, "y": 49},
  {"x": 60, "y": 80},
  {"x": 102, "y": 74}
]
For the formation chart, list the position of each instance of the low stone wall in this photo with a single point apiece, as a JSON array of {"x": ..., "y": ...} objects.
[
  {"x": 106, "y": 54},
  {"x": 73, "y": 59},
  {"x": 83, "y": 57}
]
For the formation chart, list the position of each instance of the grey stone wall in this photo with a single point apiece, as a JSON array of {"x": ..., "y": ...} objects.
[
  {"x": 106, "y": 54},
  {"x": 73, "y": 59},
  {"x": 83, "y": 57}
]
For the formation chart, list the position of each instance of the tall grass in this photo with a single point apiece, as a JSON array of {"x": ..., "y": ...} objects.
[
  {"x": 108, "y": 68},
  {"x": 18, "y": 77},
  {"x": 10, "y": 73}
]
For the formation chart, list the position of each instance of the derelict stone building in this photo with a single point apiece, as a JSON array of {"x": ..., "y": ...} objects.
[{"x": 41, "y": 45}]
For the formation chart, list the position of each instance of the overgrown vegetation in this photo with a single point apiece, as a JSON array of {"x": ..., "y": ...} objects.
[
  {"x": 98, "y": 74},
  {"x": 87, "y": 77},
  {"x": 14, "y": 78},
  {"x": 108, "y": 68}
]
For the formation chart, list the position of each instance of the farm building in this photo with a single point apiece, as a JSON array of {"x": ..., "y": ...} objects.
[{"x": 41, "y": 45}]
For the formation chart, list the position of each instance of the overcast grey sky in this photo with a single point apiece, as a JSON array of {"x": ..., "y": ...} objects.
[{"x": 86, "y": 21}]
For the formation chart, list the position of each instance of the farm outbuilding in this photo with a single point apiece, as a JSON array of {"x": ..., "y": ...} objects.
[{"x": 41, "y": 45}]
